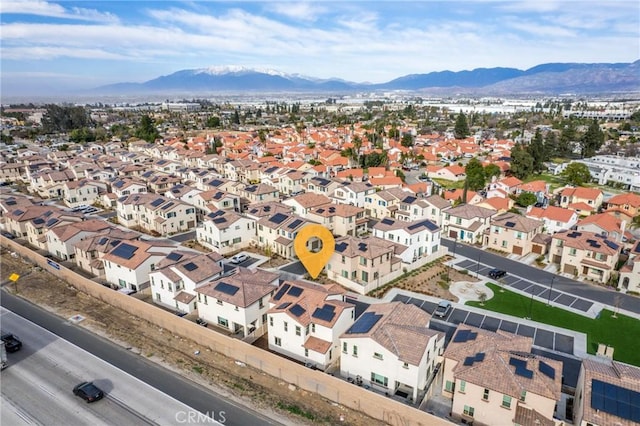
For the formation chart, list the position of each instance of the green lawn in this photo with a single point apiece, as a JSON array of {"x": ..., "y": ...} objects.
[
  {"x": 555, "y": 181},
  {"x": 450, "y": 184},
  {"x": 620, "y": 332}
]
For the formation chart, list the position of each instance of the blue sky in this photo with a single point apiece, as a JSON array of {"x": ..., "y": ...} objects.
[{"x": 50, "y": 45}]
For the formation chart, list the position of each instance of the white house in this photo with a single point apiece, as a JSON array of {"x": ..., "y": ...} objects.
[
  {"x": 175, "y": 278},
  {"x": 306, "y": 321},
  {"x": 391, "y": 347},
  {"x": 555, "y": 219},
  {"x": 129, "y": 263},
  {"x": 422, "y": 238},
  {"x": 225, "y": 231},
  {"x": 353, "y": 193},
  {"x": 239, "y": 302},
  {"x": 61, "y": 240}
]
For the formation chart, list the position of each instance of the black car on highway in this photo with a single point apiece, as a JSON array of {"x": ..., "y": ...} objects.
[
  {"x": 11, "y": 342},
  {"x": 88, "y": 391},
  {"x": 497, "y": 273}
]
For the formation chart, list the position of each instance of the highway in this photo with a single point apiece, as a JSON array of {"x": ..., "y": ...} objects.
[
  {"x": 57, "y": 355},
  {"x": 543, "y": 278}
]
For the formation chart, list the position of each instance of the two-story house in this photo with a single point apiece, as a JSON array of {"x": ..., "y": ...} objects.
[
  {"x": 306, "y": 321},
  {"x": 276, "y": 232},
  {"x": 155, "y": 213},
  {"x": 90, "y": 249},
  {"x": 391, "y": 348},
  {"x": 225, "y": 231},
  {"x": 385, "y": 203},
  {"x": 61, "y": 240},
  {"x": 605, "y": 224},
  {"x": 422, "y": 238},
  {"x": 555, "y": 219},
  {"x": 238, "y": 302},
  {"x": 129, "y": 263},
  {"x": 174, "y": 279},
  {"x": 466, "y": 223},
  {"x": 584, "y": 254},
  {"x": 364, "y": 264},
  {"x": 579, "y": 198},
  {"x": 512, "y": 233},
  {"x": 75, "y": 193},
  {"x": 353, "y": 193},
  {"x": 494, "y": 379},
  {"x": 630, "y": 271}
]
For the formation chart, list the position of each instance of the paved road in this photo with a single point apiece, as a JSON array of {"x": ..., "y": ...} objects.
[
  {"x": 199, "y": 398},
  {"x": 42, "y": 374},
  {"x": 543, "y": 278},
  {"x": 181, "y": 238}
]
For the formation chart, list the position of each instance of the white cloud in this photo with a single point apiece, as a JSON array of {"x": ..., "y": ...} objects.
[
  {"x": 303, "y": 11},
  {"x": 53, "y": 10}
]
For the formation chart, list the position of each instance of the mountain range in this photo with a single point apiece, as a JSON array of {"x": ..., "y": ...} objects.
[{"x": 552, "y": 78}]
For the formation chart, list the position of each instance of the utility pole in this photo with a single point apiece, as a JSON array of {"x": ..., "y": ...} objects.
[{"x": 550, "y": 290}]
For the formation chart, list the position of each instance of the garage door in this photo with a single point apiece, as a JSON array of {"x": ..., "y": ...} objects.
[
  {"x": 517, "y": 250},
  {"x": 536, "y": 249},
  {"x": 453, "y": 234}
]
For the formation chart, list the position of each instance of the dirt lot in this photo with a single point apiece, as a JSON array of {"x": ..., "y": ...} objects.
[
  {"x": 432, "y": 279},
  {"x": 240, "y": 383}
]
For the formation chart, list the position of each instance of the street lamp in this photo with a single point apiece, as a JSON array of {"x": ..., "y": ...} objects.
[
  {"x": 478, "y": 265},
  {"x": 550, "y": 290},
  {"x": 530, "y": 305}
]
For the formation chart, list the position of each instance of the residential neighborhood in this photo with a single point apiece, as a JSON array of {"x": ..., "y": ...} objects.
[{"x": 203, "y": 225}]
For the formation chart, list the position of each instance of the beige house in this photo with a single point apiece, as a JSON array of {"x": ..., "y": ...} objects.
[
  {"x": 385, "y": 203},
  {"x": 584, "y": 254},
  {"x": 79, "y": 192},
  {"x": 90, "y": 250},
  {"x": 277, "y": 232},
  {"x": 513, "y": 233},
  {"x": 363, "y": 264},
  {"x": 466, "y": 223},
  {"x": 628, "y": 203},
  {"x": 630, "y": 272},
  {"x": 608, "y": 393},
  {"x": 260, "y": 193},
  {"x": 494, "y": 379},
  {"x": 572, "y": 197},
  {"x": 155, "y": 213}
]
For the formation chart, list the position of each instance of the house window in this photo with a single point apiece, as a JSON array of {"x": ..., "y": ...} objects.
[
  {"x": 271, "y": 321},
  {"x": 523, "y": 396},
  {"x": 485, "y": 395},
  {"x": 223, "y": 322},
  {"x": 306, "y": 352},
  {"x": 377, "y": 355},
  {"x": 463, "y": 385},
  {"x": 158, "y": 298},
  {"x": 345, "y": 274},
  {"x": 448, "y": 386},
  {"x": 381, "y": 380},
  {"x": 298, "y": 330},
  {"x": 365, "y": 276},
  {"x": 343, "y": 259},
  {"x": 237, "y": 240},
  {"x": 344, "y": 347},
  {"x": 286, "y": 326},
  {"x": 506, "y": 401},
  {"x": 458, "y": 221},
  {"x": 363, "y": 261},
  {"x": 122, "y": 283},
  {"x": 169, "y": 287},
  {"x": 313, "y": 328},
  {"x": 519, "y": 235},
  {"x": 278, "y": 341},
  {"x": 572, "y": 252},
  {"x": 468, "y": 411},
  {"x": 205, "y": 300},
  {"x": 405, "y": 365},
  {"x": 504, "y": 243},
  {"x": 219, "y": 302},
  {"x": 260, "y": 304},
  {"x": 355, "y": 350}
]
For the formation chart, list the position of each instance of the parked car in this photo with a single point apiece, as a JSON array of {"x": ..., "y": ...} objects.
[
  {"x": 239, "y": 258},
  {"x": 443, "y": 309},
  {"x": 7, "y": 234},
  {"x": 497, "y": 273},
  {"x": 11, "y": 342},
  {"x": 202, "y": 322},
  {"x": 88, "y": 391}
]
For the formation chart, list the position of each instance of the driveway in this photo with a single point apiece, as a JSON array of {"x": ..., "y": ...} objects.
[{"x": 181, "y": 238}]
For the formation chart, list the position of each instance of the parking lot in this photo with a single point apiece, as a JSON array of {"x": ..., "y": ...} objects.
[
  {"x": 543, "y": 291},
  {"x": 542, "y": 337}
]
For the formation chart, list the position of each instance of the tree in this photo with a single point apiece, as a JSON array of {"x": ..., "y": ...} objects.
[
  {"x": 576, "y": 174},
  {"x": 550, "y": 145},
  {"x": 213, "y": 121},
  {"x": 146, "y": 130},
  {"x": 567, "y": 137},
  {"x": 491, "y": 170},
  {"x": 407, "y": 140},
  {"x": 592, "y": 140},
  {"x": 521, "y": 162},
  {"x": 461, "y": 129},
  {"x": 476, "y": 178},
  {"x": 400, "y": 174},
  {"x": 526, "y": 199},
  {"x": 536, "y": 150},
  {"x": 65, "y": 118}
]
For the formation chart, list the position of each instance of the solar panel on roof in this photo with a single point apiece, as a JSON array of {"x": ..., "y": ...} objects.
[
  {"x": 284, "y": 305},
  {"x": 119, "y": 184},
  {"x": 267, "y": 208},
  {"x": 409, "y": 200},
  {"x": 174, "y": 256},
  {"x": 362, "y": 247},
  {"x": 521, "y": 368},
  {"x": 547, "y": 370},
  {"x": 103, "y": 240},
  {"x": 297, "y": 310},
  {"x": 278, "y": 218},
  {"x": 215, "y": 214},
  {"x": 295, "y": 223},
  {"x": 226, "y": 288},
  {"x": 616, "y": 400},
  {"x": 190, "y": 266},
  {"x": 510, "y": 224},
  {"x": 470, "y": 360},
  {"x": 215, "y": 182},
  {"x": 323, "y": 313},
  {"x": 611, "y": 244},
  {"x": 53, "y": 221},
  {"x": 341, "y": 247},
  {"x": 320, "y": 211},
  {"x": 124, "y": 251},
  {"x": 167, "y": 206},
  {"x": 365, "y": 323},
  {"x": 219, "y": 220},
  {"x": 387, "y": 221},
  {"x": 281, "y": 292},
  {"x": 295, "y": 291},
  {"x": 11, "y": 202},
  {"x": 114, "y": 243},
  {"x": 157, "y": 202},
  {"x": 18, "y": 212},
  {"x": 38, "y": 221}
]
